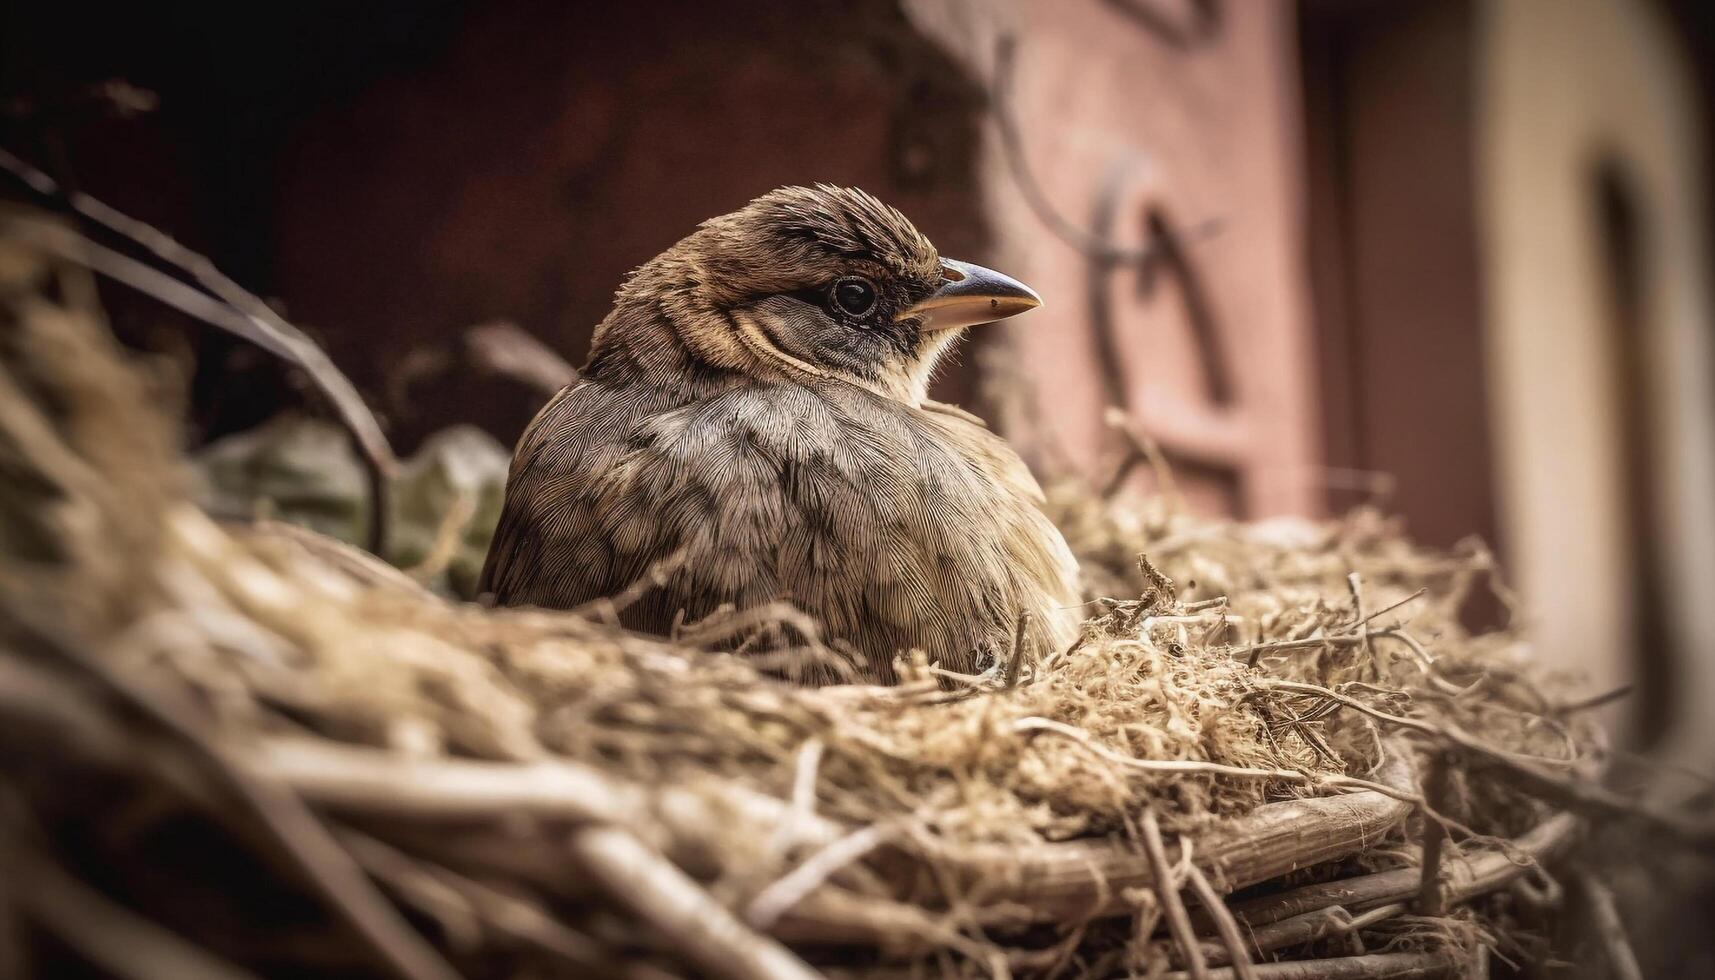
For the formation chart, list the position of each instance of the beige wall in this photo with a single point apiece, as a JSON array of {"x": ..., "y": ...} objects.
[{"x": 1562, "y": 81}]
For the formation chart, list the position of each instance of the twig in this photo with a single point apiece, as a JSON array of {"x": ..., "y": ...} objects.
[
  {"x": 1468, "y": 878},
  {"x": 1225, "y": 924},
  {"x": 364, "y": 780},
  {"x": 1610, "y": 929},
  {"x": 507, "y": 915},
  {"x": 1373, "y": 916},
  {"x": 374, "y": 782},
  {"x": 245, "y": 315},
  {"x": 1360, "y": 635},
  {"x": 1436, "y": 787},
  {"x": 608, "y": 608},
  {"x": 1361, "y": 622},
  {"x": 1297, "y": 930},
  {"x": 790, "y": 889},
  {"x": 699, "y": 928},
  {"x": 1378, "y": 966},
  {"x": 1304, "y": 643},
  {"x": 1184, "y": 766},
  {"x": 803, "y": 808},
  {"x": 1255, "y": 651},
  {"x": 1427, "y": 663},
  {"x": 449, "y": 534},
  {"x": 1383, "y": 611},
  {"x": 1530, "y": 774},
  {"x": 293, "y": 828},
  {"x": 1314, "y": 926},
  {"x": 1420, "y": 725},
  {"x": 504, "y": 349},
  {"x": 1595, "y": 701},
  {"x": 1142, "y": 448},
  {"x": 1178, "y": 919},
  {"x": 1202, "y": 604}
]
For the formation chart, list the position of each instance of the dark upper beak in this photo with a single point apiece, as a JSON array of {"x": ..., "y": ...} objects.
[{"x": 969, "y": 295}]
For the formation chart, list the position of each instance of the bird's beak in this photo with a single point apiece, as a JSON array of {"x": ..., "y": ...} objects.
[{"x": 969, "y": 295}]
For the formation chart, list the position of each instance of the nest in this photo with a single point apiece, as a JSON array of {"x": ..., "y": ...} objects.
[{"x": 250, "y": 749}]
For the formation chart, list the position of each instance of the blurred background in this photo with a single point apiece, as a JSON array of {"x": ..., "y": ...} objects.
[{"x": 1447, "y": 256}]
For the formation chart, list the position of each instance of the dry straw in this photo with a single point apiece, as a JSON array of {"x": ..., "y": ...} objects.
[{"x": 251, "y": 750}]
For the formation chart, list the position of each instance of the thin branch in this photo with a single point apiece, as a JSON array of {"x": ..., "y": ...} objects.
[
  {"x": 1436, "y": 788},
  {"x": 245, "y": 315},
  {"x": 1227, "y": 926},
  {"x": 521, "y": 921},
  {"x": 1379, "y": 966},
  {"x": 1596, "y": 701},
  {"x": 1383, "y": 611},
  {"x": 1530, "y": 774},
  {"x": 1373, "y": 916},
  {"x": 698, "y": 928},
  {"x": 294, "y": 829},
  {"x": 1185, "y": 766},
  {"x": 1178, "y": 919},
  {"x": 1255, "y": 651},
  {"x": 507, "y": 350},
  {"x": 1418, "y": 725},
  {"x": 1468, "y": 877},
  {"x": 1355, "y": 633},
  {"x": 803, "y": 807},
  {"x": 607, "y": 609},
  {"x": 1426, "y": 663},
  {"x": 1298, "y": 930},
  {"x": 1141, "y": 447},
  {"x": 364, "y": 780},
  {"x": 1361, "y": 624},
  {"x": 1610, "y": 929},
  {"x": 371, "y": 781},
  {"x": 779, "y": 898}
]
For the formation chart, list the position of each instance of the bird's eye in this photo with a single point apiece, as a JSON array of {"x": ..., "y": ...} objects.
[{"x": 854, "y": 295}]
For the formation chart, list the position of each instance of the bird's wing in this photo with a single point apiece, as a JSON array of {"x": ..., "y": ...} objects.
[
  {"x": 542, "y": 553},
  {"x": 610, "y": 485}
]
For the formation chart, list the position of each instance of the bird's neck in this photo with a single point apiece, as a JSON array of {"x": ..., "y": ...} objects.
[{"x": 646, "y": 350}]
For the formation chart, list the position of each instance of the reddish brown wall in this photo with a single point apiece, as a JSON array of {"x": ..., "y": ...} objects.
[
  {"x": 1391, "y": 115},
  {"x": 553, "y": 148}
]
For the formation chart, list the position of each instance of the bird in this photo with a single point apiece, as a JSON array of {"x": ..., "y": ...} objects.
[{"x": 752, "y": 427}]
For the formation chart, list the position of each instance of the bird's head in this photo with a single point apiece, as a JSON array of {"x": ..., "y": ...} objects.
[{"x": 805, "y": 283}]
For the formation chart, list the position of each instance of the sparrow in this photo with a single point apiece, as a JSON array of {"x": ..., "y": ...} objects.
[{"x": 752, "y": 426}]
